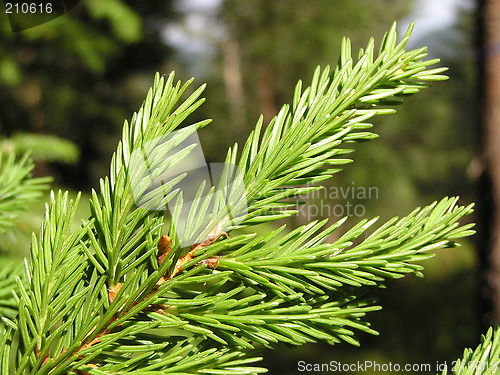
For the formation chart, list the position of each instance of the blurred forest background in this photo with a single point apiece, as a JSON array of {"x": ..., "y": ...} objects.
[{"x": 79, "y": 76}]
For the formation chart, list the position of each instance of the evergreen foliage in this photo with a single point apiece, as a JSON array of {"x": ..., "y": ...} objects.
[
  {"x": 17, "y": 189},
  {"x": 42, "y": 147},
  {"x": 19, "y": 192},
  {"x": 484, "y": 360},
  {"x": 116, "y": 295}
]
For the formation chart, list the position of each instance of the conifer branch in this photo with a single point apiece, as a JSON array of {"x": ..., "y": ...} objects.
[
  {"x": 304, "y": 143},
  {"x": 10, "y": 269},
  {"x": 484, "y": 360},
  {"x": 117, "y": 295},
  {"x": 17, "y": 188}
]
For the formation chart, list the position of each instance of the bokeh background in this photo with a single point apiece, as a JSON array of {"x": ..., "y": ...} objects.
[{"x": 79, "y": 76}]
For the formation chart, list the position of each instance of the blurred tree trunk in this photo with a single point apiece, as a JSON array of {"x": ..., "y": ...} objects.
[
  {"x": 266, "y": 90},
  {"x": 489, "y": 78},
  {"x": 233, "y": 82}
]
